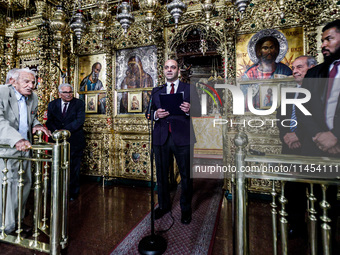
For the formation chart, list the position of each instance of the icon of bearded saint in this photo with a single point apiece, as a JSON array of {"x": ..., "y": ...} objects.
[
  {"x": 135, "y": 77},
  {"x": 92, "y": 82},
  {"x": 265, "y": 49}
]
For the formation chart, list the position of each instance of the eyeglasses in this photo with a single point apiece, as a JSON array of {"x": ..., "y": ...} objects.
[{"x": 66, "y": 92}]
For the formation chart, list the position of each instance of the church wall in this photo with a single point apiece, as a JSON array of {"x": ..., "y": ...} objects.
[{"x": 118, "y": 143}]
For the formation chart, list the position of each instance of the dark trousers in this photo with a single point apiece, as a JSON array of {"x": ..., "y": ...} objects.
[
  {"x": 164, "y": 157},
  {"x": 75, "y": 158}
]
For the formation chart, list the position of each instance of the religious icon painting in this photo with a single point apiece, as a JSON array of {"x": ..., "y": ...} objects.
[
  {"x": 135, "y": 102},
  {"x": 91, "y": 103},
  {"x": 250, "y": 51},
  {"x": 269, "y": 94},
  {"x": 91, "y": 73},
  {"x": 136, "y": 69}
]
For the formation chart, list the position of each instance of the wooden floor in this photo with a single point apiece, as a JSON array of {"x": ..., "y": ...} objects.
[{"x": 101, "y": 217}]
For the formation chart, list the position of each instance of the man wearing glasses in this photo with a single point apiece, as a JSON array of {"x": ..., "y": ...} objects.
[{"x": 68, "y": 113}]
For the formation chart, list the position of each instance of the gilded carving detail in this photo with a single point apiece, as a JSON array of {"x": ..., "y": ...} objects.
[
  {"x": 137, "y": 36},
  {"x": 109, "y": 94},
  {"x": 10, "y": 49},
  {"x": 107, "y": 155},
  {"x": 137, "y": 159},
  {"x": 230, "y": 60},
  {"x": 90, "y": 44},
  {"x": 208, "y": 34},
  {"x": 41, "y": 7},
  {"x": 92, "y": 163},
  {"x": 133, "y": 124},
  {"x": 260, "y": 185},
  {"x": 99, "y": 123},
  {"x": 312, "y": 45},
  {"x": 263, "y": 14},
  {"x": 2, "y": 62}
]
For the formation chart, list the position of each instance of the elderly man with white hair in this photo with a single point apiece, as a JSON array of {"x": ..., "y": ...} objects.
[{"x": 18, "y": 121}]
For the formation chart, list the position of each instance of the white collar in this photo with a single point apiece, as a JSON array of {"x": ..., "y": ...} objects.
[{"x": 176, "y": 82}]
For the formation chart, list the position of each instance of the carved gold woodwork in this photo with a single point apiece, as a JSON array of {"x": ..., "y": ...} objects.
[
  {"x": 132, "y": 148},
  {"x": 2, "y": 60},
  {"x": 106, "y": 154}
]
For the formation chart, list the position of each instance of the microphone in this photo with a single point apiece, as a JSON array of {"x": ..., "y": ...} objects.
[{"x": 148, "y": 112}]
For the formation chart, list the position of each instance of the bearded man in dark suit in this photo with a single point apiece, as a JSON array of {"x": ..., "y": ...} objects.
[
  {"x": 322, "y": 128},
  {"x": 323, "y": 125},
  {"x": 174, "y": 135},
  {"x": 68, "y": 113}
]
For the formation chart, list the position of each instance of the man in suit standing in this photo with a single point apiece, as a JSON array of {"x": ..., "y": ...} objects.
[
  {"x": 68, "y": 113},
  {"x": 291, "y": 138},
  {"x": 174, "y": 135},
  {"x": 18, "y": 118},
  {"x": 322, "y": 128}
]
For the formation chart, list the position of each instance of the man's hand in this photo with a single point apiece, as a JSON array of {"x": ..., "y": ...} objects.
[
  {"x": 43, "y": 129},
  {"x": 295, "y": 145},
  {"x": 292, "y": 140},
  {"x": 23, "y": 145},
  {"x": 161, "y": 113},
  {"x": 185, "y": 107},
  {"x": 334, "y": 150},
  {"x": 325, "y": 140}
]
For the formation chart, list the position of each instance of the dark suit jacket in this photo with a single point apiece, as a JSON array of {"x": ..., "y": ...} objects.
[
  {"x": 181, "y": 125},
  {"x": 73, "y": 121},
  {"x": 284, "y": 130},
  {"x": 316, "y": 82}
]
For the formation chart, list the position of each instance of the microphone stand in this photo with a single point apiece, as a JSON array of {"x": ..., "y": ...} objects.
[{"x": 152, "y": 244}]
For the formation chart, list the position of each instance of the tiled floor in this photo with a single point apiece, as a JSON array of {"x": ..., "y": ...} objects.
[{"x": 101, "y": 217}]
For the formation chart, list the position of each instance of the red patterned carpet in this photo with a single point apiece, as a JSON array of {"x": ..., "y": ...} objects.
[{"x": 195, "y": 238}]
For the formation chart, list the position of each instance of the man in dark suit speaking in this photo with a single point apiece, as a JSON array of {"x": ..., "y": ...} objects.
[
  {"x": 69, "y": 113},
  {"x": 174, "y": 135}
]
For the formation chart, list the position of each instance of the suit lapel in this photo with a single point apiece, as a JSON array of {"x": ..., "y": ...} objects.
[
  {"x": 69, "y": 108},
  {"x": 163, "y": 90},
  {"x": 13, "y": 103},
  {"x": 323, "y": 84},
  {"x": 181, "y": 87},
  {"x": 59, "y": 108}
]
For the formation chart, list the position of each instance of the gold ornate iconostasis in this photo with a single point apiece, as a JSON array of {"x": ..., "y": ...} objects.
[{"x": 208, "y": 42}]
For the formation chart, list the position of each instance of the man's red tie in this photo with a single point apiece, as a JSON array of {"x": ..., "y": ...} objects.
[
  {"x": 331, "y": 77},
  {"x": 172, "y": 91}
]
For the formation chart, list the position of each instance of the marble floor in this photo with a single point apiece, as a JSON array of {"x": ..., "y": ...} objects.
[{"x": 101, "y": 217}]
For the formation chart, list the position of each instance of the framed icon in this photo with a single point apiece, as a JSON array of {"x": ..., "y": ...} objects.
[
  {"x": 135, "y": 101},
  {"x": 91, "y": 103},
  {"x": 267, "y": 94}
]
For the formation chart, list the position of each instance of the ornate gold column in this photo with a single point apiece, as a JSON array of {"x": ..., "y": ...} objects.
[
  {"x": 2, "y": 62},
  {"x": 10, "y": 49}
]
